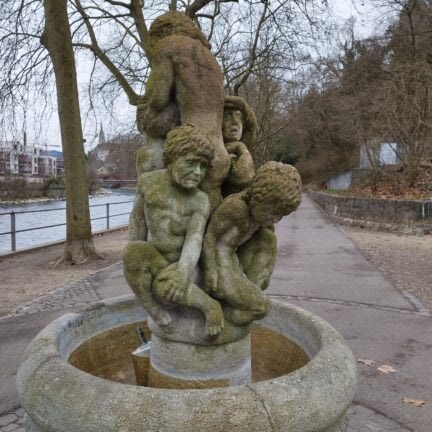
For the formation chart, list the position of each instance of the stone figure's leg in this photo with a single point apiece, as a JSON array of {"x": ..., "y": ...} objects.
[
  {"x": 258, "y": 256},
  {"x": 191, "y": 296},
  {"x": 141, "y": 263},
  {"x": 149, "y": 156},
  {"x": 246, "y": 301},
  {"x": 211, "y": 308}
]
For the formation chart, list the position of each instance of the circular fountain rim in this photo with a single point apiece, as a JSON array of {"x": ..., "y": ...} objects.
[{"x": 317, "y": 393}]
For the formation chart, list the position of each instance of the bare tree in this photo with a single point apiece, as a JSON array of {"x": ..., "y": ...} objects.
[
  {"x": 406, "y": 95},
  {"x": 27, "y": 68},
  {"x": 57, "y": 39}
]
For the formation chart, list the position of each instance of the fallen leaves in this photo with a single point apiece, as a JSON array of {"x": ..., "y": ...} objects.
[
  {"x": 416, "y": 402},
  {"x": 366, "y": 362},
  {"x": 383, "y": 368},
  {"x": 390, "y": 369},
  {"x": 386, "y": 369}
]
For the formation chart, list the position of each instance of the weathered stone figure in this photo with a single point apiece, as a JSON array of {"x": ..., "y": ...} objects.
[
  {"x": 185, "y": 86},
  {"x": 166, "y": 231},
  {"x": 239, "y": 133},
  {"x": 275, "y": 192}
]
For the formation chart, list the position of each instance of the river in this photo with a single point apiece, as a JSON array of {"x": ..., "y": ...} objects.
[{"x": 37, "y": 217}]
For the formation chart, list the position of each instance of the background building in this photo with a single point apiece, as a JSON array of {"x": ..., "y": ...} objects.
[{"x": 21, "y": 160}]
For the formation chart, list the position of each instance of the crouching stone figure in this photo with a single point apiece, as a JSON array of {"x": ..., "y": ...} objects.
[{"x": 166, "y": 230}]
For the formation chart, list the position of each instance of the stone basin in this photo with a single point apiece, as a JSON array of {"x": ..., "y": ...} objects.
[{"x": 78, "y": 376}]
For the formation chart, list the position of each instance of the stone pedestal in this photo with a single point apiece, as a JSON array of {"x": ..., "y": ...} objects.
[
  {"x": 182, "y": 356},
  {"x": 183, "y": 365}
]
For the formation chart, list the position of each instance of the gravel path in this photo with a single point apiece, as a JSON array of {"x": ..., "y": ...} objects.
[{"x": 405, "y": 259}]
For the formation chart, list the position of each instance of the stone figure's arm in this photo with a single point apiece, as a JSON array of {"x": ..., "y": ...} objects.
[
  {"x": 137, "y": 222},
  {"x": 242, "y": 166},
  {"x": 160, "y": 83},
  {"x": 226, "y": 217},
  {"x": 191, "y": 250},
  {"x": 258, "y": 256},
  {"x": 157, "y": 112}
]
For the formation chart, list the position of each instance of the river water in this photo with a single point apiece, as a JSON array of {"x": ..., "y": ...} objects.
[{"x": 37, "y": 217}]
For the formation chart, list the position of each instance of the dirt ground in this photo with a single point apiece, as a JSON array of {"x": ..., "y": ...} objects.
[
  {"x": 405, "y": 259},
  {"x": 28, "y": 275}
]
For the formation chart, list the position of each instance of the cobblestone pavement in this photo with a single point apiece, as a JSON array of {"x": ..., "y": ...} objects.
[
  {"x": 360, "y": 419},
  {"x": 13, "y": 421},
  {"x": 77, "y": 293}
]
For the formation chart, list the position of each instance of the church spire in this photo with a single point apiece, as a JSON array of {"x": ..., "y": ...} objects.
[{"x": 101, "y": 136}]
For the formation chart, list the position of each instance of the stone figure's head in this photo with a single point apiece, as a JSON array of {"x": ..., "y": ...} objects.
[
  {"x": 174, "y": 23},
  {"x": 187, "y": 155},
  {"x": 275, "y": 192},
  {"x": 239, "y": 122}
]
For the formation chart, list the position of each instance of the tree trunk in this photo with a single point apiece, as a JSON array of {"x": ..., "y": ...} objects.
[{"x": 57, "y": 39}]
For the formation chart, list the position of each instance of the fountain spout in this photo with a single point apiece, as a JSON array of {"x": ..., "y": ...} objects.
[{"x": 141, "y": 359}]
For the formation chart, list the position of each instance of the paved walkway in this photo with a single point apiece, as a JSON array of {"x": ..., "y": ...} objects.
[{"x": 318, "y": 268}]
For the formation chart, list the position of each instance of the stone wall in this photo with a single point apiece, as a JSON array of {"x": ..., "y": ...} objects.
[{"x": 379, "y": 214}]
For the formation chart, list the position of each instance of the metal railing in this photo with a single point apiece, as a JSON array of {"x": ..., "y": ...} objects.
[{"x": 13, "y": 231}]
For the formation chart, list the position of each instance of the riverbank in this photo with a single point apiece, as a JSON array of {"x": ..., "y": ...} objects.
[
  {"x": 100, "y": 192},
  {"x": 41, "y": 223}
]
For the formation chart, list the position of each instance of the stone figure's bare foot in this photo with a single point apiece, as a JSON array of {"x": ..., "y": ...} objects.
[
  {"x": 214, "y": 320},
  {"x": 163, "y": 319}
]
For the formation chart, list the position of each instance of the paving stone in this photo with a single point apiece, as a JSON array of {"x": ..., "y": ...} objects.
[
  {"x": 7, "y": 419},
  {"x": 20, "y": 412},
  {"x": 78, "y": 292},
  {"x": 10, "y": 427}
]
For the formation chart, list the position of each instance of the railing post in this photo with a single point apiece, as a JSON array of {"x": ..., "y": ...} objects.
[
  {"x": 107, "y": 216},
  {"x": 13, "y": 229}
]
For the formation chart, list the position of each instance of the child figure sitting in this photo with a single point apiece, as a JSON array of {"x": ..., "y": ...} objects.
[{"x": 275, "y": 192}]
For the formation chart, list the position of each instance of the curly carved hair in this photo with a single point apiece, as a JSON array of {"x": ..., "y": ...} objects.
[
  {"x": 174, "y": 23},
  {"x": 277, "y": 184},
  {"x": 250, "y": 125},
  {"x": 187, "y": 139}
]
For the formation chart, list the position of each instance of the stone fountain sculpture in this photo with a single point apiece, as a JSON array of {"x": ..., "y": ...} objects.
[
  {"x": 201, "y": 253},
  {"x": 174, "y": 205}
]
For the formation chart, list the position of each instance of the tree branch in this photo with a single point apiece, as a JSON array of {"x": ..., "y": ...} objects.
[
  {"x": 119, "y": 3},
  {"x": 138, "y": 17},
  {"x": 101, "y": 55},
  {"x": 252, "y": 55},
  {"x": 197, "y": 5}
]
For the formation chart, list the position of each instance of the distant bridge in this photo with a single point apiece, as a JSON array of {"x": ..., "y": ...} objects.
[{"x": 113, "y": 183}]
